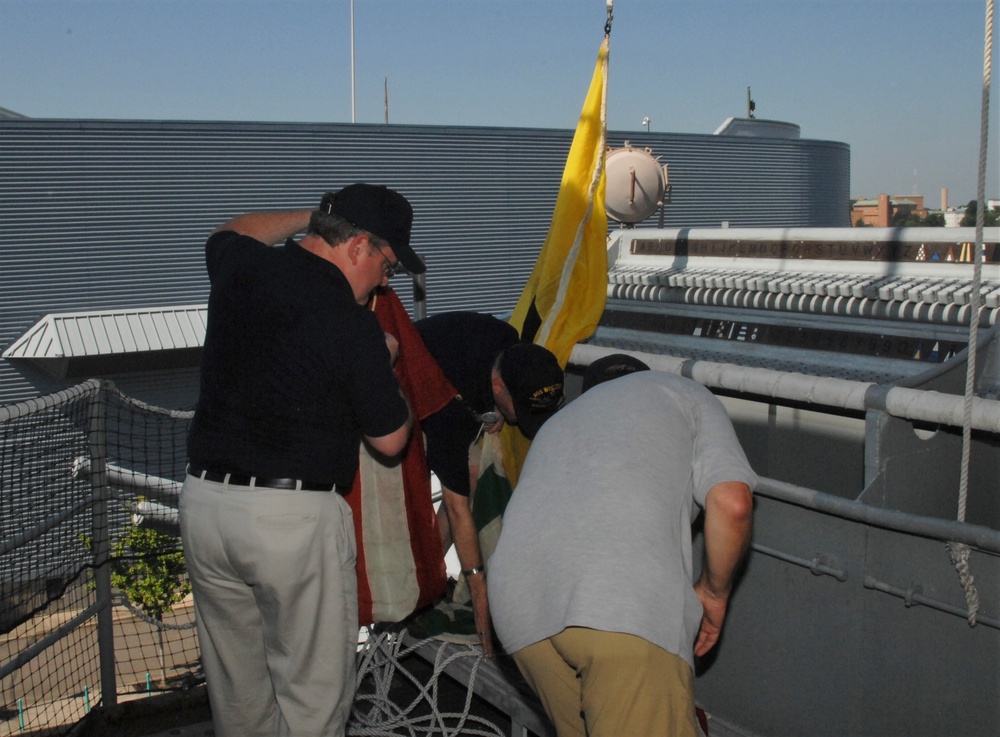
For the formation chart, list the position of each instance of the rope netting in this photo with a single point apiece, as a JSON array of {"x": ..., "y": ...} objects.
[
  {"x": 77, "y": 469},
  {"x": 392, "y": 700}
]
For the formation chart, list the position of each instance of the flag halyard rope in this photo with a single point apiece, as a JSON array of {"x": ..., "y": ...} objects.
[{"x": 960, "y": 552}]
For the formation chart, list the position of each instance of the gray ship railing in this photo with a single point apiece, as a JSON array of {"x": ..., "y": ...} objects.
[{"x": 819, "y": 391}]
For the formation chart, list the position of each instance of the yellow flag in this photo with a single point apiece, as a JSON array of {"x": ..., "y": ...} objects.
[
  {"x": 563, "y": 300},
  {"x": 565, "y": 294}
]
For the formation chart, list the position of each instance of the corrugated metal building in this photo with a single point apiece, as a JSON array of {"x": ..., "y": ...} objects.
[{"x": 111, "y": 217}]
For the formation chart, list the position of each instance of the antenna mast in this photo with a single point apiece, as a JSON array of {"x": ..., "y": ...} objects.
[{"x": 352, "y": 61}]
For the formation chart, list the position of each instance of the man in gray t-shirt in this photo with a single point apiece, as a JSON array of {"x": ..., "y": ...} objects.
[{"x": 591, "y": 584}]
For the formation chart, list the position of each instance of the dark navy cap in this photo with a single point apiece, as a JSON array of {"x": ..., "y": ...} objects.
[
  {"x": 380, "y": 211},
  {"x": 534, "y": 379}
]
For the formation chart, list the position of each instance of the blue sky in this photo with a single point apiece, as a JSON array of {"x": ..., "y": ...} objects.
[{"x": 898, "y": 80}]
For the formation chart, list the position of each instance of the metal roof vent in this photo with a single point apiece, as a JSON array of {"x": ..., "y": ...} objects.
[
  {"x": 756, "y": 128},
  {"x": 84, "y": 344}
]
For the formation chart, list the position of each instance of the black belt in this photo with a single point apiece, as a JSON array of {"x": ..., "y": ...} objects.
[{"x": 259, "y": 482}]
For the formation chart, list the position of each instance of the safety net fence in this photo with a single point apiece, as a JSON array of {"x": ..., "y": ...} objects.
[{"x": 95, "y": 603}]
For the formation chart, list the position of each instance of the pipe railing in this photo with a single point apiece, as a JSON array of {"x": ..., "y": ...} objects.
[{"x": 842, "y": 394}]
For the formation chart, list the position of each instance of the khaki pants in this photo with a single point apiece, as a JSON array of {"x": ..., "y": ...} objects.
[
  {"x": 275, "y": 595},
  {"x": 608, "y": 684}
]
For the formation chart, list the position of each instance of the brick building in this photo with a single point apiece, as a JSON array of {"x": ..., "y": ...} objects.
[{"x": 880, "y": 212}]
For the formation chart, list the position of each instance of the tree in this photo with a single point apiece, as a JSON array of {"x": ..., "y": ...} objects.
[
  {"x": 148, "y": 568},
  {"x": 969, "y": 219},
  {"x": 990, "y": 217},
  {"x": 902, "y": 219},
  {"x": 898, "y": 219}
]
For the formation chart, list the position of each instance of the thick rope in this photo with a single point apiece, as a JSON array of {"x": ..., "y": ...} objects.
[
  {"x": 375, "y": 715},
  {"x": 960, "y": 552}
]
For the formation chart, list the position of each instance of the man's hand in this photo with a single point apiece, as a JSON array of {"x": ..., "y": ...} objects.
[
  {"x": 495, "y": 427},
  {"x": 713, "y": 616},
  {"x": 393, "y": 345}
]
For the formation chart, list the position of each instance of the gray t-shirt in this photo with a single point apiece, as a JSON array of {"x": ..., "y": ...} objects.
[{"x": 598, "y": 531}]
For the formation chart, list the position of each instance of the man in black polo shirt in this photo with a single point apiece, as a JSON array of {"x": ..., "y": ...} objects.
[
  {"x": 498, "y": 378},
  {"x": 294, "y": 374}
]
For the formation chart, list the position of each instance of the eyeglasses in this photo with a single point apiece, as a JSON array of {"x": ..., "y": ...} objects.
[{"x": 389, "y": 269}]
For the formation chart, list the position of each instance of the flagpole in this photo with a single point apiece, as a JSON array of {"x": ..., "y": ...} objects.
[{"x": 352, "y": 61}]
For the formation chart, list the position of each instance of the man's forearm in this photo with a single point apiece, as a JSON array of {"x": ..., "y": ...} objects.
[
  {"x": 463, "y": 530},
  {"x": 470, "y": 557},
  {"x": 269, "y": 228},
  {"x": 728, "y": 525}
]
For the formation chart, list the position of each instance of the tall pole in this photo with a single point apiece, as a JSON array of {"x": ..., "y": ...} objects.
[{"x": 352, "y": 61}]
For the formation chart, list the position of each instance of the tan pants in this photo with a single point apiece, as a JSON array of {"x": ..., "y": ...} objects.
[
  {"x": 275, "y": 593},
  {"x": 608, "y": 684}
]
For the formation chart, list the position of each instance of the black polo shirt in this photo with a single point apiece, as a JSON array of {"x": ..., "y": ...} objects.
[
  {"x": 294, "y": 371},
  {"x": 465, "y": 345}
]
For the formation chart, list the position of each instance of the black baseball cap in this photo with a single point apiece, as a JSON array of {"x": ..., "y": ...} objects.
[
  {"x": 382, "y": 212},
  {"x": 611, "y": 367},
  {"x": 534, "y": 379}
]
